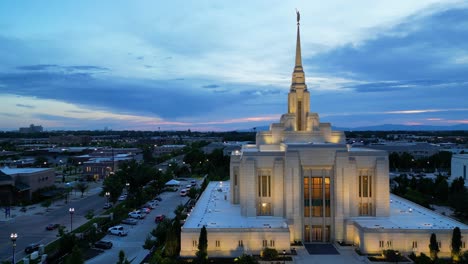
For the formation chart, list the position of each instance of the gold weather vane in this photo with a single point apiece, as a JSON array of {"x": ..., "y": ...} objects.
[{"x": 298, "y": 16}]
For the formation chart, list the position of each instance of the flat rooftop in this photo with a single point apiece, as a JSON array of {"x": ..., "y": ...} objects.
[
  {"x": 214, "y": 210},
  {"x": 12, "y": 171},
  {"x": 408, "y": 215}
]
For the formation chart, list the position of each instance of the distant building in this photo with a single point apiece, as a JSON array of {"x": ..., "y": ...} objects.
[
  {"x": 166, "y": 149},
  {"x": 70, "y": 140},
  {"x": 416, "y": 149},
  {"x": 459, "y": 167},
  {"x": 31, "y": 129},
  {"x": 19, "y": 183}
]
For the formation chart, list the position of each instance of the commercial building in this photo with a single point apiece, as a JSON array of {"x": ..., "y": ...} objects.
[
  {"x": 19, "y": 183},
  {"x": 301, "y": 182},
  {"x": 459, "y": 167}
]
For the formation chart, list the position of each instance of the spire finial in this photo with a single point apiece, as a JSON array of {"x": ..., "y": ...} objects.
[{"x": 298, "y": 16}]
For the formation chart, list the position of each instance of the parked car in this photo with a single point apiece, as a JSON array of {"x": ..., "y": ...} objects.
[
  {"x": 158, "y": 199},
  {"x": 107, "y": 205},
  {"x": 146, "y": 210},
  {"x": 183, "y": 192},
  {"x": 117, "y": 230},
  {"x": 122, "y": 197},
  {"x": 137, "y": 214},
  {"x": 31, "y": 248},
  {"x": 129, "y": 221},
  {"x": 193, "y": 183},
  {"x": 188, "y": 187},
  {"x": 103, "y": 244},
  {"x": 159, "y": 218},
  {"x": 52, "y": 226},
  {"x": 151, "y": 204}
]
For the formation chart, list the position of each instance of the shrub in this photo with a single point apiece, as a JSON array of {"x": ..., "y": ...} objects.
[{"x": 269, "y": 254}]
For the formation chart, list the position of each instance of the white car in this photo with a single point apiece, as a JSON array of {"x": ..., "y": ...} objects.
[
  {"x": 137, "y": 214},
  {"x": 123, "y": 197},
  {"x": 118, "y": 231},
  {"x": 183, "y": 192}
]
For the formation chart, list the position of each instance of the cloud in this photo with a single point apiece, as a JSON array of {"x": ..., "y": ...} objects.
[
  {"x": 37, "y": 67},
  {"x": 210, "y": 86},
  {"x": 25, "y": 106},
  {"x": 164, "y": 98},
  {"x": 418, "y": 48}
]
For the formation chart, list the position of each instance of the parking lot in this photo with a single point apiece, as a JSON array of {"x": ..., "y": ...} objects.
[{"x": 132, "y": 244}]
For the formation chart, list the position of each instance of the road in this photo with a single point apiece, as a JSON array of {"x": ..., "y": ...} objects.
[
  {"x": 132, "y": 244},
  {"x": 31, "y": 227}
]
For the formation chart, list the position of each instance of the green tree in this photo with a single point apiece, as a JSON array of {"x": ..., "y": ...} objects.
[
  {"x": 75, "y": 257},
  {"x": 202, "y": 253},
  {"x": 269, "y": 253},
  {"x": 160, "y": 231},
  {"x": 456, "y": 244},
  {"x": 390, "y": 255},
  {"x": 81, "y": 187},
  {"x": 122, "y": 258},
  {"x": 47, "y": 203},
  {"x": 433, "y": 246},
  {"x": 114, "y": 185},
  {"x": 423, "y": 259}
]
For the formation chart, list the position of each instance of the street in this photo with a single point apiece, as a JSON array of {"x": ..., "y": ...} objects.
[{"x": 30, "y": 227}]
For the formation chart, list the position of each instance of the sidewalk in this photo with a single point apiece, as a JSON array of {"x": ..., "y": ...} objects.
[{"x": 37, "y": 209}]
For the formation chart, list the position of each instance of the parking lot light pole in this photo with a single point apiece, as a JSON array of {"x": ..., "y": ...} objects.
[
  {"x": 13, "y": 237},
  {"x": 284, "y": 256},
  {"x": 72, "y": 211},
  {"x": 107, "y": 195}
]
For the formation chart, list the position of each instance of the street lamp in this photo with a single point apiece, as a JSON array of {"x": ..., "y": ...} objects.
[
  {"x": 107, "y": 195},
  {"x": 72, "y": 211},
  {"x": 127, "y": 186},
  {"x": 284, "y": 256},
  {"x": 13, "y": 237}
]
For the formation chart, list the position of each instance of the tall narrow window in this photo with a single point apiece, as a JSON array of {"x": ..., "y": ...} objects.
[
  {"x": 299, "y": 115},
  {"x": 235, "y": 176},
  {"x": 264, "y": 185},
  {"x": 327, "y": 197},
  {"x": 306, "y": 197},
  {"x": 317, "y": 196},
  {"x": 365, "y": 185}
]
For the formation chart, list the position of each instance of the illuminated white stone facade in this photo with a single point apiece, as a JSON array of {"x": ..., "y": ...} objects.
[{"x": 301, "y": 182}]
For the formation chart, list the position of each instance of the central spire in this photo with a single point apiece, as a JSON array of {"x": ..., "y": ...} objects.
[
  {"x": 298, "y": 78},
  {"x": 299, "y": 97},
  {"x": 298, "y": 43}
]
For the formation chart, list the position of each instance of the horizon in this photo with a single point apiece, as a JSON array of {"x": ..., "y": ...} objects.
[{"x": 208, "y": 66}]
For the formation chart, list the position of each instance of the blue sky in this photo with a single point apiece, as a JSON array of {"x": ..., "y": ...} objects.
[{"x": 224, "y": 65}]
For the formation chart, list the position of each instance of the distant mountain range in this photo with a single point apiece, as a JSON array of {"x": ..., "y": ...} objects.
[{"x": 386, "y": 127}]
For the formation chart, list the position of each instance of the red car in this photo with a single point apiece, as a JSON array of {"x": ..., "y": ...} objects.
[{"x": 159, "y": 218}]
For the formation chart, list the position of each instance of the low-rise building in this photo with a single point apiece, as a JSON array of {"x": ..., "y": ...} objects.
[
  {"x": 19, "y": 183},
  {"x": 459, "y": 167}
]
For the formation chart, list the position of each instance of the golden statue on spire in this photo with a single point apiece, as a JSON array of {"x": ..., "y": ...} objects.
[{"x": 298, "y": 16}]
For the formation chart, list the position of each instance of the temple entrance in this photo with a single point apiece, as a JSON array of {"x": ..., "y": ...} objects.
[{"x": 316, "y": 233}]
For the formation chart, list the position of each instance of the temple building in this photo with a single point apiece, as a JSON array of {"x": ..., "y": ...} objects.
[{"x": 301, "y": 182}]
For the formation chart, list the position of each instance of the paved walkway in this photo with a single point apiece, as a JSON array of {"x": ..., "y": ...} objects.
[{"x": 346, "y": 255}]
